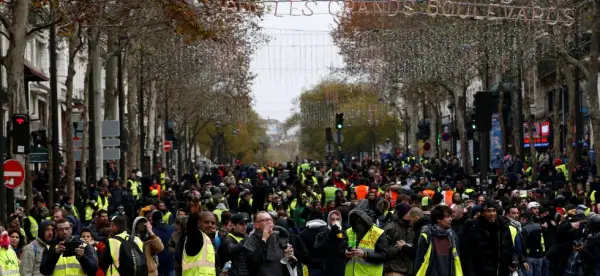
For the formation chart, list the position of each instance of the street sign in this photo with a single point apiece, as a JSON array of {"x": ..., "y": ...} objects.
[
  {"x": 445, "y": 136},
  {"x": 167, "y": 145},
  {"x": 14, "y": 174},
  {"x": 338, "y": 138},
  {"x": 329, "y": 148},
  {"x": 110, "y": 131}
]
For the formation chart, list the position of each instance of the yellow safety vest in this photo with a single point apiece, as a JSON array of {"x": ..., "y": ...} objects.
[
  {"x": 329, "y": 193},
  {"x": 513, "y": 233},
  {"x": 218, "y": 212},
  {"x": 358, "y": 266},
  {"x": 9, "y": 263},
  {"x": 236, "y": 238},
  {"x": 562, "y": 168},
  {"x": 528, "y": 173},
  {"x": 240, "y": 199},
  {"x": 115, "y": 247},
  {"x": 33, "y": 227},
  {"x": 89, "y": 213},
  {"x": 100, "y": 205},
  {"x": 166, "y": 218},
  {"x": 425, "y": 265},
  {"x": 163, "y": 175},
  {"x": 67, "y": 266},
  {"x": 203, "y": 264},
  {"x": 134, "y": 188}
]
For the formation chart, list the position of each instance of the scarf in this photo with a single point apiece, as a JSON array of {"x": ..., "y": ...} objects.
[
  {"x": 436, "y": 231},
  {"x": 4, "y": 240}
]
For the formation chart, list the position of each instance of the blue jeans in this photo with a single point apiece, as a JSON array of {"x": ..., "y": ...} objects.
[
  {"x": 535, "y": 266},
  {"x": 546, "y": 267}
]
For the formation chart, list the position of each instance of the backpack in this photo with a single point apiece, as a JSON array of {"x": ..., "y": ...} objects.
[{"x": 132, "y": 261}]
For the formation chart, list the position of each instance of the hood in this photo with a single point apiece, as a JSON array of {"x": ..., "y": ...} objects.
[
  {"x": 315, "y": 223},
  {"x": 362, "y": 215},
  {"x": 221, "y": 206},
  {"x": 135, "y": 222},
  {"x": 329, "y": 216},
  {"x": 42, "y": 227}
]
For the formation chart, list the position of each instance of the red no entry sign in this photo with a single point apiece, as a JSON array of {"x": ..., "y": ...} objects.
[
  {"x": 167, "y": 145},
  {"x": 14, "y": 174}
]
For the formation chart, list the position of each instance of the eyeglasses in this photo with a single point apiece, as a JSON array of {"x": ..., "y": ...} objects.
[{"x": 263, "y": 220}]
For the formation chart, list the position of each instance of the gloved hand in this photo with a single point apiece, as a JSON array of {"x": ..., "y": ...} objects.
[{"x": 335, "y": 231}]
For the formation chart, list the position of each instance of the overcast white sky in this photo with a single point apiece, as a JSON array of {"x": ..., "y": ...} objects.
[{"x": 299, "y": 55}]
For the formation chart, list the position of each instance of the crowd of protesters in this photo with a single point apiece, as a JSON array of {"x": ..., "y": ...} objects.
[{"x": 405, "y": 217}]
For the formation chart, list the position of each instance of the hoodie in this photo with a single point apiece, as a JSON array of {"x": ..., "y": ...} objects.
[
  {"x": 32, "y": 253},
  {"x": 152, "y": 246},
  {"x": 309, "y": 235},
  {"x": 361, "y": 223}
]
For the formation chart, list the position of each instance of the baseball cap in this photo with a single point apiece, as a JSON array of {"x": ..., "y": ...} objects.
[{"x": 238, "y": 219}]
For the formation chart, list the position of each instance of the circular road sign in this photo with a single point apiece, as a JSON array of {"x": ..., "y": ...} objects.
[
  {"x": 14, "y": 174},
  {"x": 445, "y": 136},
  {"x": 167, "y": 146}
]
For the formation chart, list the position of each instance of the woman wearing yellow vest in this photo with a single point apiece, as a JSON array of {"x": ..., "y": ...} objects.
[
  {"x": 109, "y": 259},
  {"x": 9, "y": 263},
  {"x": 199, "y": 254},
  {"x": 438, "y": 245},
  {"x": 366, "y": 246},
  {"x": 57, "y": 261}
]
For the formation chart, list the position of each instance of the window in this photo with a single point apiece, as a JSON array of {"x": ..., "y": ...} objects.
[
  {"x": 40, "y": 49},
  {"x": 43, "y": 113}
]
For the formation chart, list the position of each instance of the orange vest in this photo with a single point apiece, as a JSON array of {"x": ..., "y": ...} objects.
[
  {"x": 429, "y": 193},
  {"x": 361, "y": 191},
  {"x": 393, "y": 197},
  {"x": 448, "y": 197}
]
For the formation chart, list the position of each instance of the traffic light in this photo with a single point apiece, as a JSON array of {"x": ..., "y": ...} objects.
[
  {"x": 20, "y": 133},
  {"x": 328, "y": 136},
  {"x": 170, "y": 133},
  {"x": 339, "y": 120},
  {"x": 483, "y": 110},
  {"x": 474, "y": 120}
]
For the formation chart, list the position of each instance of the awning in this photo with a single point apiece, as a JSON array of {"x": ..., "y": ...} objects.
[{"x": 32, "y": 73}]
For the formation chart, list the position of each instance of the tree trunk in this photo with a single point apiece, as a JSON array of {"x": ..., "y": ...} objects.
[
  {"x": 70, "y": 160},
  {"x": 527, "y": 101},
  {"x": 96, "y": 61},
  {"x": 110, "y": 99},
  {"x": 593, "y": 81},
  {"x": 85, "y": 139},
  {"x": 413, "y": 116},
  {"x": 433, "y": 130},
  {"x": 557, "y": 122},
  {"x": 517, "y": 123},
  {"x": 151, "y": 134},
  {"x": 15, "y": 58},
  {"x": 462, "y": 131},
  {"x": 132, "y": 110},
  {"x": 501, "y": 114},
  {"x": 568, "y": 71}
]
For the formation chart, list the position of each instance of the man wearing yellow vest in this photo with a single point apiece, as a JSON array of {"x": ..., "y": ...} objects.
[
  {"x": 226, "y": 250},
  {"x": 445, "y": 250},
  {"x": 58, "y": 261},
  {"x": 134, "y": 185},
  {"x": 167, "y": 217},
  {"x": 199, "y": 255},
  {"x": 366, "y": 246},
  {"x": 109, "y": 261},
  {"x": 9, "y": 263}
]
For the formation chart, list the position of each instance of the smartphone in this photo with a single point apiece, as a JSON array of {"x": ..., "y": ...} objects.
[
  {"x": 70, "y": 248},
  {"x": 349, "y": 248}
]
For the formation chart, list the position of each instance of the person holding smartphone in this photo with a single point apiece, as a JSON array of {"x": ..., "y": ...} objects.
[{"x": 67, "y": 255}]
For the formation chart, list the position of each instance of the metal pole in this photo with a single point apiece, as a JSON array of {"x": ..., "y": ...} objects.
[
  {"x": 121, "y": 89},
  {"x": 3, "y": 146},
  {"x": 55, "y": 129},
  {"x": 92, "y": 108},
  {"x": 141, "y": 113},
  {"x": 520, "y": 107},
  {"x": 578, "y": 97},
  {"x": 485, "y": 159},
  {"x": 167, "y": 162}
]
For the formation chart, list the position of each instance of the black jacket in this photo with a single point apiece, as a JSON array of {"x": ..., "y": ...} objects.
[
  {"x": 488, "y": 252},
  {"x": 88, "y": 261},
  {"x": 226, "y": 249},
  {"x": 309, "y": 235},
  {"x": 380, "y": 254},
  {"x": 330, "y": 245}
]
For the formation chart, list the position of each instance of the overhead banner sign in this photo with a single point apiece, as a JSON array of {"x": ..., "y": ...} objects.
[{"x": 489, "y": 10}]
